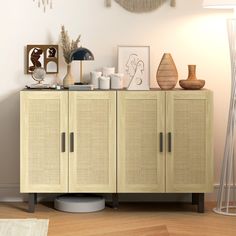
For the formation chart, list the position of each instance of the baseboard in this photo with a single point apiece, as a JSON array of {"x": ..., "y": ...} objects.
[{"x": 11, "y": 193}]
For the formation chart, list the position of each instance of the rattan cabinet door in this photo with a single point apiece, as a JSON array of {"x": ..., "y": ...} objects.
[
  {"x": 141, "y": 146},
  {"x": 44, "y": 125},
  {"x": 92, "y": 157},
  {"x": 189, "y": 157}
]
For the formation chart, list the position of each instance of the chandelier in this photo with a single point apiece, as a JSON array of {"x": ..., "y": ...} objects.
[{"x": 44, "y": 4}]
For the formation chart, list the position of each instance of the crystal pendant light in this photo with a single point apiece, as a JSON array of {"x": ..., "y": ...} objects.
[{"x": 44, "y": 4}]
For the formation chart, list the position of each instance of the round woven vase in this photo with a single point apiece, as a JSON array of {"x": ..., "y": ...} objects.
[{"x": 167, "y": 74}]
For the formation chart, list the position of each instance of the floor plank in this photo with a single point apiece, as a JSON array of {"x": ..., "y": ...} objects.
[{"x": 180, "y": 219}]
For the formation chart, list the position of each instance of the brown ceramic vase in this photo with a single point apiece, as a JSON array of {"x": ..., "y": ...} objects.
[{"x": 192, "y": 83}]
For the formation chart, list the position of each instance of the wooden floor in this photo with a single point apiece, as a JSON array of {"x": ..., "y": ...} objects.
[{"x": 180, "y": 219}]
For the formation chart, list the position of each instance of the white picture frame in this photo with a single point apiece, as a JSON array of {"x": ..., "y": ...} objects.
[{"x": 134, "y": 63}]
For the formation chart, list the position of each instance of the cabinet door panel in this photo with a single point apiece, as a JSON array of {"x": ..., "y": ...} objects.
[
  {"x": 189, "y": 120},
  {"x": 44, "y": 166},
  {"x": 93, "y": 122},
  {"x": 141, "y": 119}
]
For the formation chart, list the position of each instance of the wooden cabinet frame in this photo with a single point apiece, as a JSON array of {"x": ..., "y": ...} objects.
[
  {"x": 176, "y": 129},
  {"x": 121, "y": 107},
  {"x": 65, "y": 141},
  {"x": 61, "y": 101},
  {"x": 197, "y": 125},
  {"x": 124, "y": 159},
  {"x": 108, "y": 103}
]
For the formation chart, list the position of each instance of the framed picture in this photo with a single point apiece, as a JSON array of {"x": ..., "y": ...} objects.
[
  {"x": 134, "y": 63},
  {"x": 45, "y": 56}
]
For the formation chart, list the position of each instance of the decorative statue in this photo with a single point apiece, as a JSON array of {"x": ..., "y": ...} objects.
[
  {"x": 34, "y": 57},
  {"x": 52, "y": 52},
  {"x": 139, "y": 6}
]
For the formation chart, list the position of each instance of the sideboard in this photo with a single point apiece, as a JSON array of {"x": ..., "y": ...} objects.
[{"x": 116, "y": 142}]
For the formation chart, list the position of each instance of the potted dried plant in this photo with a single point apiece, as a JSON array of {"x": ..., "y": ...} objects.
[{"x": 68, "y": 46}]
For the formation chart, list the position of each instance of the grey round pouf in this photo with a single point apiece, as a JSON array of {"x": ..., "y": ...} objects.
[{"x": 79, "y": 203}]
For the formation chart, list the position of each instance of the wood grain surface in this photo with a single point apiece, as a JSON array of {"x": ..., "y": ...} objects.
[
  {"x": 149, "y": 231},
  {"x": 180, "y": 219},
  {"x": 167, "y": 74}
]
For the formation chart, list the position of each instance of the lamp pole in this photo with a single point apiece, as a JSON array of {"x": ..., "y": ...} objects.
[
  {"x": 226, "y": 199},
  {"x": 81, "y": 71}
]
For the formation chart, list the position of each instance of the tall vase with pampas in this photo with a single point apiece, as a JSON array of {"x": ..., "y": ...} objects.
[{"x": 68, "y": 47}]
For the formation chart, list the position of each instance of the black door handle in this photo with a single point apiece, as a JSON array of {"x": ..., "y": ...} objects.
[
  {"x": 161, "y": 142},
  {"x": 71, "y": 142},
  {"x": 63, "y": 142},
  {"x": 169, "y": 142}
]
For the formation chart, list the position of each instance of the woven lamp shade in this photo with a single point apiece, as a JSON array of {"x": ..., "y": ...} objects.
[{"x": 219, "y": 4}]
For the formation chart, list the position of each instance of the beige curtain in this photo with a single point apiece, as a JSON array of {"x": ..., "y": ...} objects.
[{"x": 141, "y": 5}]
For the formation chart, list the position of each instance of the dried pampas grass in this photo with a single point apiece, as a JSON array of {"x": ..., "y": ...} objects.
[{"x": 68, "y": 45}]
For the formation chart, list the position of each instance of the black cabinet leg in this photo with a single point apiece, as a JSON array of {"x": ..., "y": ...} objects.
[
  {"x": 115, "y": 200},
  {"x": 194, "y": 198},
  {"x": 201, "y": 203},
  {"x": 35, "y": 198},
  {"x": 32, "y": 202},
  {"x": 198, "y": 199}
]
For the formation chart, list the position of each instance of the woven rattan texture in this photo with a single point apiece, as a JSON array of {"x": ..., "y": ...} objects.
[
  {"x": 189, "y": 141},
  {"x": 44, "y": 148},
  {"x": 141, "y": 141},
  {"x": 93, "y": 141}
]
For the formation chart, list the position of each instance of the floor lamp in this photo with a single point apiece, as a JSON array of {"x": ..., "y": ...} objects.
[{"x": 226, "y": 200}]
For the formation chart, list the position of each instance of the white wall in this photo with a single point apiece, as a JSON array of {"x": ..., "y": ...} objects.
[{"x": 192, "y": 34}]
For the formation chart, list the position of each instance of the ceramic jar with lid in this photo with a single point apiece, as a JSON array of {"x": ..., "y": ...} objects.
[
  {"x": 104, "y": 82},
  {"x": 117, "y": 81}
]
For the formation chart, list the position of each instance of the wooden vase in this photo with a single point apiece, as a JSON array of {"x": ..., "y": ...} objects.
[
  {"x": 69, "y": 79},
  {"x": 167, "y": 74},
  {"x": 192, "y": 83}
]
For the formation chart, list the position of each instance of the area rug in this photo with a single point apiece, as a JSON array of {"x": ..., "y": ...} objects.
[
  {"x": 29, "y": 227},
  {"x": 150, "y": 231}
]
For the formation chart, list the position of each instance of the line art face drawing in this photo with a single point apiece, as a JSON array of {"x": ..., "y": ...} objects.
[
  {"x": 134, "y": 63},
  {"x": 134, "y": 68}
]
